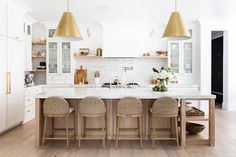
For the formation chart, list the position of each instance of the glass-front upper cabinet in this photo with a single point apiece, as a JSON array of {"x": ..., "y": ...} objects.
[
  {"x": 52, "y": 57},
  {"x": 174, "y": 56},
  {"x": 187, "y": 50},
  {"x": 66, "y": 57},
  {"x": 181, "y": 56}
]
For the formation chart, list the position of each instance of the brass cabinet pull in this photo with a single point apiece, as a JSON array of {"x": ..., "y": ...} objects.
[{"x": 8, "y": 83}]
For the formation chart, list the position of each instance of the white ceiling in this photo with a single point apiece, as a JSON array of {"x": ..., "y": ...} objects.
[{"x": 153, "y": 11}]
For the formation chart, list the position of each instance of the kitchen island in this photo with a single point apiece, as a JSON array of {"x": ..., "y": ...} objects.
[{"x": 111, "y": 96}]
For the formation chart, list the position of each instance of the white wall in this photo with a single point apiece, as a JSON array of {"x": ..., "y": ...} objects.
[{"x": 229, "y": 83}]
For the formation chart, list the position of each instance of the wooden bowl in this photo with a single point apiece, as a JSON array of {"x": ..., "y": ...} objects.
[{"x": 194, "y": 128}]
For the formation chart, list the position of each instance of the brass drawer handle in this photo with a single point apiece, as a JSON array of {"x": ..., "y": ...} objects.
[{"x": 8, "y": 83}]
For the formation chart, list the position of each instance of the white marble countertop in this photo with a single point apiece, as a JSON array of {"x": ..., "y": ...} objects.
[
  {"x": 95, "y": 86},
  {"x": 73, "y": 92}
]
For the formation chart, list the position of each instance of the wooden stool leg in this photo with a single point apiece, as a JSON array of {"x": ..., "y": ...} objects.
[
  {"x": 53, "y": 126},
  {"x": 75, "y": 126},
  {"x": 140, "y": 132},
  {"x": 44, "y": 131},
  {"x": 67, "y": 133},
  {"x": 176, "y": 129},
  {"x": 104, "y": 131},
  {"x": 117, "y": 130},
  {"x": 152, "y": 132},
  {"x": 80, "y": 133}
]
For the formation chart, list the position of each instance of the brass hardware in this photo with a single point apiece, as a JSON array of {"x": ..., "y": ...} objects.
[
  {"x": 68, "y": 26},
  {"x": 175, "y": 27},
  {"x": 8, "y": 83}
]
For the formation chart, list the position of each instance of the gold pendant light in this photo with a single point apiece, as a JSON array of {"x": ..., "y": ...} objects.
[
  {"x": 175, "y": 28},
  {"x": 68, "y": 27}
]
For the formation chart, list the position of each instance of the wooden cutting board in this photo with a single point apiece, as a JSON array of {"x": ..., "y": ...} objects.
[{"x": 81, "y": 76}]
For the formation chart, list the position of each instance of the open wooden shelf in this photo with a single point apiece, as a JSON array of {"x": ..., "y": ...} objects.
[
  {"x": 80, "y": 57},
  {"x": 153, "y": 57},
  {"x": 38, "y": 70},
  {"x": 38, "y": 56},
  {"x": 197, "y": 118},
  {"x": 38, "y": 43}
]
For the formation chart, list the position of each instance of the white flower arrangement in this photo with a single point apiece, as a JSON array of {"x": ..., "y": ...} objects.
[{"x": 164, "y": 74}]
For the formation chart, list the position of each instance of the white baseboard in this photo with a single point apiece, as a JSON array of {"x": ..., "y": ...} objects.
[{"x": 229, "y": 106}]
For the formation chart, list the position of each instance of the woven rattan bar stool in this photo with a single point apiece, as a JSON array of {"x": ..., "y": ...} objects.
[
  {"x": 165, "y": 107},
  {"x": 54, "y": 107},
  {"x": 92, "y": 107},
  {"x": 129, "y": 107}
]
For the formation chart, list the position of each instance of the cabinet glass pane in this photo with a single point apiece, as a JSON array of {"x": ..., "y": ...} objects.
[
  {"x": 66, "y": 58},
  {"x": 52, "y": 52},
  {"x": 174, "y": 57},
  {"x": 188, "y": 57}
]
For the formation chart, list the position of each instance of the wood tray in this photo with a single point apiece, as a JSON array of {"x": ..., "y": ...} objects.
[{"x": 193, "y": 111}]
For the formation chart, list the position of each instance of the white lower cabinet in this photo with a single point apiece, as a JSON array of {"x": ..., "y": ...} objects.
[
  {"x": 2, "y": 83},
  {"x": 15, "y": 68},
  {"x": 11, "y": 83},
  {"x": 30, "y": 102}
]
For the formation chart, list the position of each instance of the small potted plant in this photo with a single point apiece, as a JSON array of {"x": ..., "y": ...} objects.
[{"x": 163, "y": 76}]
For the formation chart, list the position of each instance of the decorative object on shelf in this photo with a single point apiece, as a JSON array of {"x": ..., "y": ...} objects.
[
  {"x": 164, "y": 75},
  {"x": 146, "y": 54},
  {"x": 68, "y": 27},
  {"x": 175, "y": 28},
  {"x": 51, "y": 33},
  {"x": 99, "y": 52},
  {"x": 84, "y": 51},
  {"x": 97, "y": 77},
  {"x": 193, "y": 111},
  {"x": 40, "y": 41},
  {"x": 81, "y": 76},
  {"x": 194, "y": 128},
  {"x": 161, "y": 53},
  {"x": 29, "y": 79},
  {"x": 42, "y": 65}
]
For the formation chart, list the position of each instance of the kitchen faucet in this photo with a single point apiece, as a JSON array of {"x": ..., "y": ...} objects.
[
  {"x": 128, "y": 68},
  {"x": 124, "y": 70}
]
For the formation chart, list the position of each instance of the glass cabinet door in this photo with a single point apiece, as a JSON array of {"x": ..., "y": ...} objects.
[
  {"x": 187, "y": 49},
  {"x": 66, "y": 57},
  {"x": 174, "y": 56},
  {"x": 52, "y": 54}
]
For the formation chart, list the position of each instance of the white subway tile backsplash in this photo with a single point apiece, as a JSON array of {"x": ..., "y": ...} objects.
[{"x": 110, "y": 68}]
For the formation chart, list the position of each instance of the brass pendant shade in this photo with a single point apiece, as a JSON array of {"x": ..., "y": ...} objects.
[
  {"x": 175, "y": 28},
  {"x": 68, "y": 27}
]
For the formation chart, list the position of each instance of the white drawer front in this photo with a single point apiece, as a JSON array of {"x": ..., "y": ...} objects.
[
  {"x": 32, "y": 91},
  {"x": 29, "y": 112},
  {"x": 29, "y": 101}
]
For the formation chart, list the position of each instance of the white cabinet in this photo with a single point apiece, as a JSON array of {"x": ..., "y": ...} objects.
[
  {"x": 180, "y": 56},
  {"x": 30, "y": 102},
  {"x": 11, "y": 69},
  {"x": 11, "y": 83},
  {"x": 15, "y": 23},
  {"x": 120, "y": 40},
  {"x": 59, "y": 67},
  {"x": 3, "y": 17},
  {"x": 15, "y": 98},
  {"x": 3, "y": 49}
]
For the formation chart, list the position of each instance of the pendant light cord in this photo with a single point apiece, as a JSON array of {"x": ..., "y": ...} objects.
[
  {"x": 175, "y": 5},
  {"x": 68, "y": 6}
]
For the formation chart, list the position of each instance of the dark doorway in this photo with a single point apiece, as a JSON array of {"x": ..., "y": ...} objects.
[{"x": 217, "y": 66}]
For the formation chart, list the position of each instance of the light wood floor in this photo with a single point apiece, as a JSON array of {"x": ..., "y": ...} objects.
[{"x": 20, "y": 143}]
